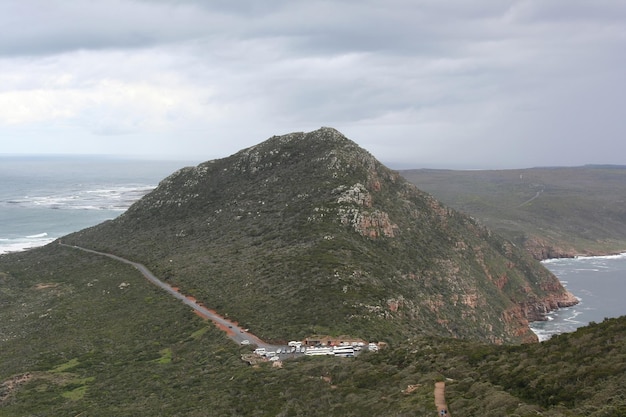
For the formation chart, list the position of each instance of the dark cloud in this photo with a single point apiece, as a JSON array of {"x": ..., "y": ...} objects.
[
  {"x": 36, "y": 27},
  {"x": 448, "y": 82}
]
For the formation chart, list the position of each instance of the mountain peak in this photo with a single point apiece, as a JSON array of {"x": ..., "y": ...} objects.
[
  {"x": 307, "y": 233},
  {"x": 325, "y": 141}
]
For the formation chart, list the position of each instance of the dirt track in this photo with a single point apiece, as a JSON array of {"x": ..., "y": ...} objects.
[{"x": 440, "y": 399}]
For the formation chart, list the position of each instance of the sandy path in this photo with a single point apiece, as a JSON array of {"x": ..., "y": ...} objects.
[{"x": 440, "y": 399}]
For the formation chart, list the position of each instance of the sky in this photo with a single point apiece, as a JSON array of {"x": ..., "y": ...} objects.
[{"x": 418, "y": 83}]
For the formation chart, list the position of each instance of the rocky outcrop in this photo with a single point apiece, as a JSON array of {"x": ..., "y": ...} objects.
[
  {"x": 541, "y": 249},
  {"x": 8, "y": 387},
  {"x": 518, "y": 318},
  {"x": 517, "y": 323},
  {"x": 372, "y": 224},
  {"x": 537, "y": 310}
]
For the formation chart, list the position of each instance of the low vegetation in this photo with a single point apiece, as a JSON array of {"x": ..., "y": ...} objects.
[
  {"x": 309, "y": 234},
  {"x": 81, "y": 344},
  {"x": 553, "y": 212}
]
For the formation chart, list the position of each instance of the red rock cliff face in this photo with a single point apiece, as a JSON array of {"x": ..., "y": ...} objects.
[
  {"x": 365, "y": 220},
  {"x": 517, "y": 323},
  {"x": 536, "y": 310},
  {"x": 519, "y": 317}
]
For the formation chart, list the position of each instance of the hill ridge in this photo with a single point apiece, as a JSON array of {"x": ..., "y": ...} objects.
[
  {"x": 307, "y": 233},
  {"x": 575, "y": 210}
]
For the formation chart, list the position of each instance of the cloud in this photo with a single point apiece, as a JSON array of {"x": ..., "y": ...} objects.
[
  {"x": 104, "y": 98},
  {"x": 35, "y": 27},
  {"x": 430, "y": 81}
]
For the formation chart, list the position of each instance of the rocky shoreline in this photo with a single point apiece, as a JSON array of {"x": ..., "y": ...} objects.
[
  {"x": 538, "y": 311},
  {"x": 542, "y": 250}
]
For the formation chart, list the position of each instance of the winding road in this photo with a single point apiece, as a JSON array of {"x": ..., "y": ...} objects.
[
  {"x": 233, "y": 331},
  {"x": 537, "y": 194}
]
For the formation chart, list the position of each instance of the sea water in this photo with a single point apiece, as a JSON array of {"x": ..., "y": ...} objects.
[
  {"x": 44, "y": 198},
  {"x": 599, "y": 283}
]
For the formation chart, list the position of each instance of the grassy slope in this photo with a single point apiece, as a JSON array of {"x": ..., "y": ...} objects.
[
  {"x": 578, "y": 210},
  {"x": 93, "y": 348}
]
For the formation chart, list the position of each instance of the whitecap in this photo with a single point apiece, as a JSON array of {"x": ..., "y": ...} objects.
[
  {"x": 114, "y": 198},
  {"x": 37, "y": 236},
  {"x": 541, "y": 334},
  {"x": 19, "y": 245},
  {"x": 616, "y": 256},
  {"x": 551, "y": 260}
]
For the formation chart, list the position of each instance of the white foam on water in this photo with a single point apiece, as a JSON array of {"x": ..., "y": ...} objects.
[
  {"x": 23, "y": 243},
  {"x": 37, "y": 236},
  {"x": 616, "y": 256},
  {"x": 116, "y": 198}
]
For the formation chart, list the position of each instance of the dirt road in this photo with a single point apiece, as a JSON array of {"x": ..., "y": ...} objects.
[{"x": 440, "y": 399}]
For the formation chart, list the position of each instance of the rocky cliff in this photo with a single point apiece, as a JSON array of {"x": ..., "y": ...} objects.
[{"x": 307, "y": 233}]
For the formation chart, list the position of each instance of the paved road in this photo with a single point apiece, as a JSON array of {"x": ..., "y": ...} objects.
[{"x": 233, "y": 331}]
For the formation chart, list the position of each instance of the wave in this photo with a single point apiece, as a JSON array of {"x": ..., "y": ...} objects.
[
  {"x": 616, "y": 256},
  {"x": 541, "y": 334},
  {"x": 574, "y": 313},
  {"x": 552, "y": 260},
  {"x": 113, "y": 198},
  {"x": 39, "y": 235},
  {"x": 584, "y": 258},
  {"x": 25, "y": 243}
]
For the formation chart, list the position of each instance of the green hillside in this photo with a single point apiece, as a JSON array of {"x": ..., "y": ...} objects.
[
  {"x": 309, "y": 234},
  {"x": 553, "y": 212},
  {"x": 73, "y": 341}
]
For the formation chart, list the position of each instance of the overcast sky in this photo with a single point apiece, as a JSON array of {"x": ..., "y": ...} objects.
[{"x": 418, "y": 83}]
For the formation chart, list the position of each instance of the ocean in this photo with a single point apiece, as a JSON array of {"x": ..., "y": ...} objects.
[
  {"x": 599, "y": 283},
  {"x": 44, "y": 198}
]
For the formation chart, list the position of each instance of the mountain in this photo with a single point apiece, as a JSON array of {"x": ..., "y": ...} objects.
[
  {"x": 308, "y": 234},
  {"x": 552, "y": 212}
]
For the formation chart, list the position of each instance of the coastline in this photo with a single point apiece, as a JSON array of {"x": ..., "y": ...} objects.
[
  {"x": 598, "y": 284},
  {"x": 588, "y": 255}
]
